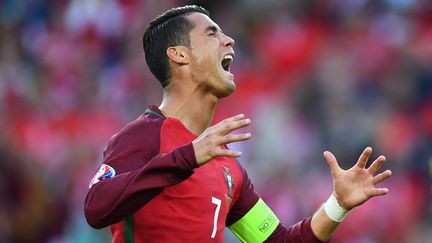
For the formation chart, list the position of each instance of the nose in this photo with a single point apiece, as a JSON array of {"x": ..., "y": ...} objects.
[{"x": 228, "y": 41}]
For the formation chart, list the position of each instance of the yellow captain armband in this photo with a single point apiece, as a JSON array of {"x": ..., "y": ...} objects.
[{"x": 257, "y": 225}]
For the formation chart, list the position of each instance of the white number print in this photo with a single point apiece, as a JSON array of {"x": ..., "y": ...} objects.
[{"x": 218, "y": 203}]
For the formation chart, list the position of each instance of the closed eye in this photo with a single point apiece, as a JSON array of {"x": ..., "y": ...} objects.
[{"x": 212, "y": 30}]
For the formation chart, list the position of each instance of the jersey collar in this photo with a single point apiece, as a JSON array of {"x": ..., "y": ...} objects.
[{"x": 154, "y": 110}]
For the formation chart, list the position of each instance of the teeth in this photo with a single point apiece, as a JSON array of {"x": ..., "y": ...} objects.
[
  {"x": 227, "y": 60},
  {"x": 229, "y": 57}
]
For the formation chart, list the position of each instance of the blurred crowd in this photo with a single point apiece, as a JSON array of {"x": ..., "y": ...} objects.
[{"x": 313, "y": 75}]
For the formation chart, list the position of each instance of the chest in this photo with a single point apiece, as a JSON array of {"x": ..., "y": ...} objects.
[{"x": 220, "y": 178}]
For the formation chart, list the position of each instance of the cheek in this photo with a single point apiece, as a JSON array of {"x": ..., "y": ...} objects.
[
  {"x": 199, "y": 57},
  {"x": 205, "y": 53},
  {"x": 205, "y": 59}
]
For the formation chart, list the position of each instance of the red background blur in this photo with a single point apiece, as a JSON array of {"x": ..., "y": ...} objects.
[{"x": 334, "y": 75}]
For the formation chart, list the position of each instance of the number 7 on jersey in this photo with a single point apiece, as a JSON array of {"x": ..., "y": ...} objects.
[{"x": 218, "y": 203}]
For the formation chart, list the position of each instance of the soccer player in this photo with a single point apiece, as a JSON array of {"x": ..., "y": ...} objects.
[{"x": 168, "y": 176}]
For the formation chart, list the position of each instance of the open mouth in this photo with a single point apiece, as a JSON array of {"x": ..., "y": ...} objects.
[{"x": 226, "y": 61}]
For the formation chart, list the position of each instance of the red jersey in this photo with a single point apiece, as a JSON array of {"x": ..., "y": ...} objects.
[{"x": 150, "y": 188}]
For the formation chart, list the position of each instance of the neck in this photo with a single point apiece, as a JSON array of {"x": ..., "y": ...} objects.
[{"x": 194, "y": 109}]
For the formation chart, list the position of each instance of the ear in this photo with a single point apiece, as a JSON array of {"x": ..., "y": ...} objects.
[{"x": 177, "y": 54}]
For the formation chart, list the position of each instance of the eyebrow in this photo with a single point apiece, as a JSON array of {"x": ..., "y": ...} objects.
[{"x": 213, "y": 28}]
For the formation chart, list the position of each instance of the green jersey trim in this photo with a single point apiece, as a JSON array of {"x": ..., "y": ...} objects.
[
  {"x": 256, "y": 225},
  {"x": 128, "y": 230},
  {"x": 148, "y": 111}
]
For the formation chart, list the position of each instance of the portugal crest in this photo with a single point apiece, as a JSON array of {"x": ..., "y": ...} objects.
[{"x": 229, "y": 181}]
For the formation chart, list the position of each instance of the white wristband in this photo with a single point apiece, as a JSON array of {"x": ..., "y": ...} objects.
[{"x": 334, "y": 210}]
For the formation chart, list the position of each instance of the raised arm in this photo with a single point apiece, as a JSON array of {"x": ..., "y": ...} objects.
[
  {"x": 112, "y": 199},
  {"x": 351, "y": 188}
]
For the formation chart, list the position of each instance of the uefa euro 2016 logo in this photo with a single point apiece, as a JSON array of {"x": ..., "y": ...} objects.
[{"x": 104, "y": 172}]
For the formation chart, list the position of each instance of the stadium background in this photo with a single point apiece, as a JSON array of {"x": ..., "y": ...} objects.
[{"x": 313, "y": 75}]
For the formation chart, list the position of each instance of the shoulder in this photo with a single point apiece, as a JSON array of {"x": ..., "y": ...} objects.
[
  {"x": 139, "y": 138},
  {"x": 145, "y": 129}
]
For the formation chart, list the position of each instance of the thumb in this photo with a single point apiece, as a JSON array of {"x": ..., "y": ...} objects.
[{"x": 332, "y": 162}]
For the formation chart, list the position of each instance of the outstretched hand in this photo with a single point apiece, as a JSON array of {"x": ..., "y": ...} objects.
[
  {"x": 210, "y": 143},
  {"x": 357, "y": 185}
]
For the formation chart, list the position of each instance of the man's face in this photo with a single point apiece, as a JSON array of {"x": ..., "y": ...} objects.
[{"x": 211, "y": 55}]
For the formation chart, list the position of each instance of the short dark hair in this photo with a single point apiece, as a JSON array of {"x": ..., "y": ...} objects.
[{"x": 168, "y": 29}]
